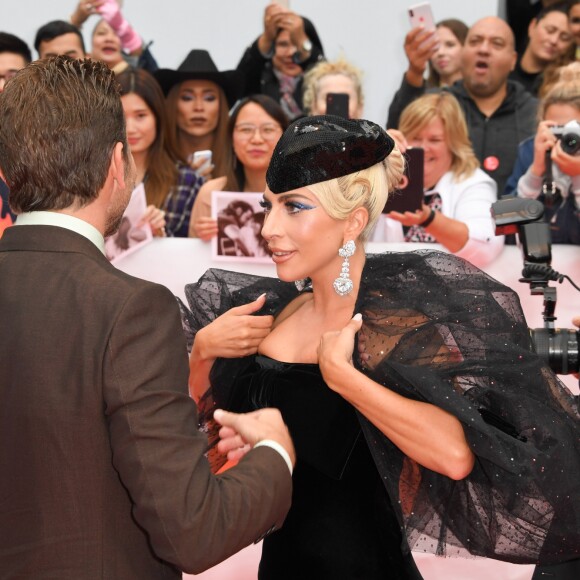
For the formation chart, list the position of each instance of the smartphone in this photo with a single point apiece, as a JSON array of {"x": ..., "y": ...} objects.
[
  {"x": 422, "y": 15},
  {"x": 337, "y": 104},
  {"x": 199, "y": 155},
  {"x": 409, "y": 196},
  {"x": 283, "y": 3}
]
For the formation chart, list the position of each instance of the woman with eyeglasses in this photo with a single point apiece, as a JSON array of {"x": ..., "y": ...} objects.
[{"x": 255, "y": 126}]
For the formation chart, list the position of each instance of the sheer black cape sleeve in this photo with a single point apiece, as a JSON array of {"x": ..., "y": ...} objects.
[{"x": 441, "y": 331}]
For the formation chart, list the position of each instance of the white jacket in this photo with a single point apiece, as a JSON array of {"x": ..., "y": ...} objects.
[{"x": 468, "y": 201}]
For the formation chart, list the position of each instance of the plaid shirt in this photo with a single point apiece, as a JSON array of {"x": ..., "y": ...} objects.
[{"x": 180, "y": 200}]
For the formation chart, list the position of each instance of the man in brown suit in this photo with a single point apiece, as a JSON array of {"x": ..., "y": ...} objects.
[{"x": 102, "y": 468}]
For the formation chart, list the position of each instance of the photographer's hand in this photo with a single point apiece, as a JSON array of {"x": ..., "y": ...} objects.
[
  {"x": 544, "y": 141},
  {"x": 568, "y": 164}
]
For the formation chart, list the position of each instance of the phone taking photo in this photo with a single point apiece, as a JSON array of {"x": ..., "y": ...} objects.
[
  {"x": 337, "y": 104},
  {"x": 198, "y": 156},
  {"x": 409, "y": 196},
  {"x": 422, "y": 15}
]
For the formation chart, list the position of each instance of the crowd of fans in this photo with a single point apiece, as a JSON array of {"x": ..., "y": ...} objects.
[{"x": 481, "y": 98}]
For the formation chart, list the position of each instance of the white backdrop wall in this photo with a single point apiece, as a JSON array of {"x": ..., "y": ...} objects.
[{"x": 370, "y": 33}]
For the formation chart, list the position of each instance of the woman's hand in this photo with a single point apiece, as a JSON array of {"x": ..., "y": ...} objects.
[
  {"x": 236, "y": 333},
  {"x": 206, "y": 171},
  {"x": 410, "y": 218},
  {"x": 84, "y": 9},
  {"x": 568, "y": 164},
  {"x": 335, "y": 352},
  {"x": 543, "y": 141},
  {"x": 205, "y": 228},
  {"x": 272, "y": 15},
  {"x": 155, "y": 217}
]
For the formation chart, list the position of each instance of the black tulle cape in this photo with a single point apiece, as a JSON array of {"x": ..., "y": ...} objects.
[{"x": 439, "y": 330}]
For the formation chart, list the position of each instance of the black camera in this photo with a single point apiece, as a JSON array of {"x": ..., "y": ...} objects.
[
  {"x": 569, "y": 135},
  {"x": 557, "y": 346}
]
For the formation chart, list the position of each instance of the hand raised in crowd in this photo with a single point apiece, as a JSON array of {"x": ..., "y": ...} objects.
[
  {"x": 272, "y": 15},
  {"x": 543, "y": 141},
  {"x": 84, "y": 9},
  {"x": 236, "y": 333},
  {"x": 568, "y": 164},
  {"x": 155, "y": 217},
  {"x": 420, "y": 46},
  {"x": 294, "y": 24},
  {"x": 240, "y": 432},
  {"x": 205, "y": 228}
]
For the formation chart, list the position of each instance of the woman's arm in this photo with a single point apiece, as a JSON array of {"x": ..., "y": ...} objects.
[
  {"x": 449, "y": 232},
  {"x": 234, "y": 334},
  {"x": 427, "y": 434}
]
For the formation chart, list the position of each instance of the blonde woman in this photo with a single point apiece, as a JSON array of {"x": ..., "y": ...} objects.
[
  {"x": 458, "y": 194},
  {"x": 560, "y": 106},
  {"x": 339, "y": 76},
  {"x": 422, "y": 420}
]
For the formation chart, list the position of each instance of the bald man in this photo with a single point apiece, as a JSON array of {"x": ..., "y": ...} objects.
[{"x": 499, "y": 112}]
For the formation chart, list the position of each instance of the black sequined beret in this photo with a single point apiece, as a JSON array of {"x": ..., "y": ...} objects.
[{"x": 323, "y": 147}]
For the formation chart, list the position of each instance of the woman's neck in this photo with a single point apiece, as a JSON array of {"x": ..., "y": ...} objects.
[
  {"x": 189, "y": 144},
  {"x": 254, "y": 180},
  {"x": 448, "y": 80},
  {"x": 326, "y": 302},
  {"x": 141, "y": 165}
]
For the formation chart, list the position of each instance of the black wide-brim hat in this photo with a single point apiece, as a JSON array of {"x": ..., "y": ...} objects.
[
  {"x": 323, "y": 147},
  {"x": 199, "y": 65}
]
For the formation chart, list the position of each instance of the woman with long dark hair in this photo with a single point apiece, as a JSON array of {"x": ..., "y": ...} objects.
[
  {"x": 170, "y": 185},
  {"x": 255, "y": 125}
]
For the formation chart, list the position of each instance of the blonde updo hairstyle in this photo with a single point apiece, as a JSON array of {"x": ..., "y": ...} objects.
[{"x": 368, "y": 188}]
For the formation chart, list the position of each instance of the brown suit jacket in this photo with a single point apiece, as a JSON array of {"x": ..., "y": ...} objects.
[{"x": 102, "y": 469}]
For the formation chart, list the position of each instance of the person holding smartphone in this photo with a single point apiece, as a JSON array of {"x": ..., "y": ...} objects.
[
  {"x": 327, "y": 77},
  {"x": 458, "y": 194}
]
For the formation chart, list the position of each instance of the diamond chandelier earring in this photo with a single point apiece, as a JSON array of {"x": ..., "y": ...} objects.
[{"x": 343, "y": 284}]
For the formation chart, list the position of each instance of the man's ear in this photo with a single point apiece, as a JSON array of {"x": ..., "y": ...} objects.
[
  {"x": 356, "y": 223},
  {"x": 117, "y": 165}
]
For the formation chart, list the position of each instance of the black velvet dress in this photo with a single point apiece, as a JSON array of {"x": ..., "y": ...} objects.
[
  {"x": 341, "y": 519},
  {"x": 441, "y": 331}
]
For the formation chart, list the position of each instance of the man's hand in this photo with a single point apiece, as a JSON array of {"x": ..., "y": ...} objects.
[{"x": 240, "y": 432}]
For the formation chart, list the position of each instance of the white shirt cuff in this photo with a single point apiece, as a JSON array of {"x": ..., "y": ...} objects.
[{"x": 276, "y": 447}]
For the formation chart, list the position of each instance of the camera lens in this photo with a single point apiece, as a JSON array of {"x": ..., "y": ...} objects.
[
  {"x": 571, "y": 143},
  {"x": 559, "y": 348}
]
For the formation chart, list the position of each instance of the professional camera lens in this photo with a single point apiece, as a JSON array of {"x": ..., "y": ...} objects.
[{"x": 558, "y": 347}]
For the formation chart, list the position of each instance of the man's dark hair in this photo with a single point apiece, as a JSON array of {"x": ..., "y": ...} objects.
[
  {"x": 60, "y": 119},
  {"x": 11, "y": 43},
  {"x": 53, "y": 30}
]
